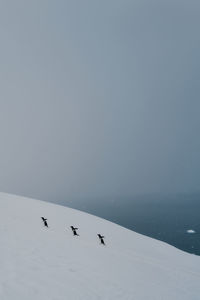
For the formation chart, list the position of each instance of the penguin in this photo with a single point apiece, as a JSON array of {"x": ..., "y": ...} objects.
[
  {"x": 45, "y": 221},
  {"x": 101, "y": 237},
  {"x": 74, "y": 230}
]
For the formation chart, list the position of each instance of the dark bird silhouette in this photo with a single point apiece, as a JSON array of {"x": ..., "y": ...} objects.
[
  {"x": 45, "y": 221},
  {"x": 101, "y": 237},
  {"x": 74, "y": 230}
]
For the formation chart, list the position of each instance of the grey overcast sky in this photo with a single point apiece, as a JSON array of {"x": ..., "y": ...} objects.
[{"x": 99, "y": 98}]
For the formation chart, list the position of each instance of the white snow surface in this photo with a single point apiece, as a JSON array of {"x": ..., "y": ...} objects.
[{"x": 50, "y": 263}]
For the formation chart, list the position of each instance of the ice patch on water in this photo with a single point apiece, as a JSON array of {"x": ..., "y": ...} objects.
[{"x": 191, "y": 231}]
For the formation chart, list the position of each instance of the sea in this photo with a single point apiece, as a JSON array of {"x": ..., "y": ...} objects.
[{"x": 174, "y": 219}]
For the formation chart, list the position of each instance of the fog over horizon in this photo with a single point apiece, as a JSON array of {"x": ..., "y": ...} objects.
[{"x": 99, "y": 99}]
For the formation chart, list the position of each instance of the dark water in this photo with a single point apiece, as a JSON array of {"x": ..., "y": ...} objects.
[{"x": 166, "y": 218}]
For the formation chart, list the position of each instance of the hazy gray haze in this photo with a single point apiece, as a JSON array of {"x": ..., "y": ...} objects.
[{"x": 99, "y": 98}]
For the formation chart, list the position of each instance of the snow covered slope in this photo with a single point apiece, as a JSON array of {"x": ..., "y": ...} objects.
[{"x": 50, "y": 263}]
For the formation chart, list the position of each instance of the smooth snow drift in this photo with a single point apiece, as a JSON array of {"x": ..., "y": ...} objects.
[{"x": 39, "y": 263}]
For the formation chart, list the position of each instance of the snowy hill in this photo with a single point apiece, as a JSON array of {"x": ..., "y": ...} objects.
[{"x": 50, "y": 263}]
